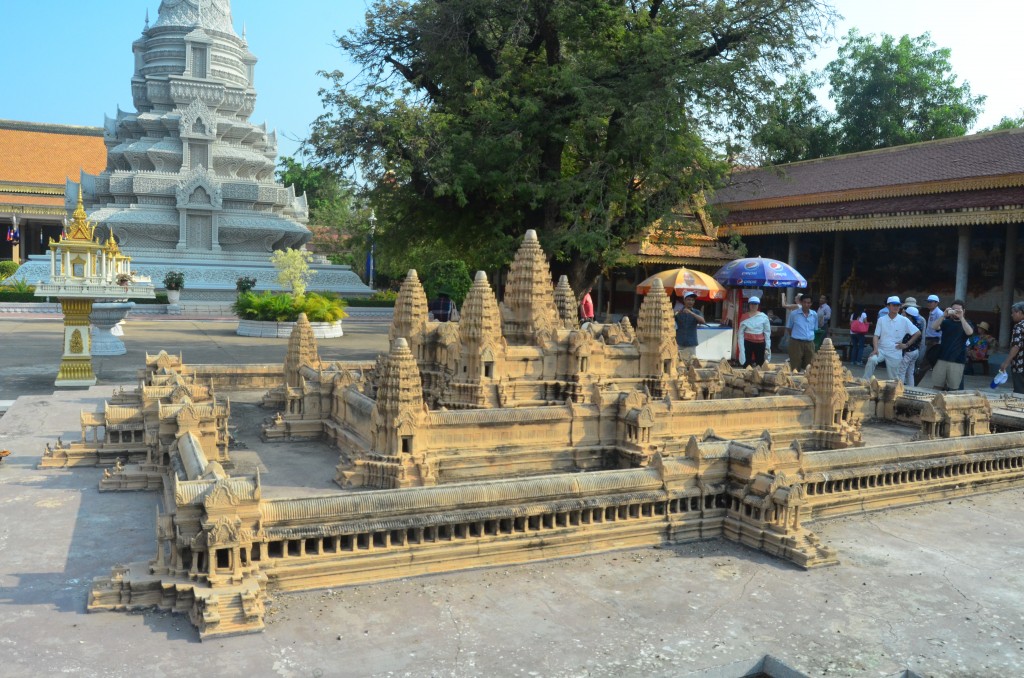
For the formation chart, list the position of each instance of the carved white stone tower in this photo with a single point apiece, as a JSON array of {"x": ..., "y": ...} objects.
[{"x": 189, "y": 184}]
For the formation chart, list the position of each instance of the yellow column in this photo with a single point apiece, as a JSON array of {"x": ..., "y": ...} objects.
[{"x": 76, "y": 363}]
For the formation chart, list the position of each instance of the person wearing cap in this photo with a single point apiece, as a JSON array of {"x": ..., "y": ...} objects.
[
  {"x": 912, "y": 345},
  {"x": 931, "y": 337},
  {"x": 1015, "y": 359},
  {"x": 800, "y": 328},
  {"x": 948, "y": 373},
  {"x": 888, "y": 340},
  {"x": 755, "y": 335},
  {"x": 687, "y": 319}
]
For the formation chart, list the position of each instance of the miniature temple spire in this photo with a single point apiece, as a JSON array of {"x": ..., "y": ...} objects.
[
  {"x": 399, "y": 400},
  {"x": 565, "y": 302},
  {"x": 410, "y": 317},
  {"x": 529, "y": 300},
  {"x": 302, "y": 350},
  {"x": 481, "y": 320},
  {"x": 656, "y": 334}
]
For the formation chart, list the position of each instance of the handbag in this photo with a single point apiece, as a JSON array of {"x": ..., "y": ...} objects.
[{"x": 859, "y": 327}]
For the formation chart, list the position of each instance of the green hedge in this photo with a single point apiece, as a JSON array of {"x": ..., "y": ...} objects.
[
  {"x": 7, "y": 269},
  {"x": 8, "y": 297},
  {"x": 270, "y": 307},
  {"x": 369, "y": 302}
]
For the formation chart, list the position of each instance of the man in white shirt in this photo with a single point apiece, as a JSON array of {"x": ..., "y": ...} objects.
[{"x": 888, "y": 340}]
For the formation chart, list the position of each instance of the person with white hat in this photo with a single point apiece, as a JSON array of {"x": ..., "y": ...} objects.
[
  {"x": 932, "y": 336},
  {"x": 888, "y": 340},
  {"x": 755, "y": 335},
  {"x": 908, "y": 363}
]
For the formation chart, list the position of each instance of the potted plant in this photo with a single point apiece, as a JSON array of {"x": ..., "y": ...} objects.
[
  {"x": 274, "y": 315},
  {"x": 245, "y": 284},
  {"x": 174, "y": 282}
]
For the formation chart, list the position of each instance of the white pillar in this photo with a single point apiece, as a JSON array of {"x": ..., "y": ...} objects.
[
  {"x": 837, "y": 264},
  {"x": 1009, "y": 282},
  {"x": 791, "y": 260},
  {"x": 963, "y": 247}
]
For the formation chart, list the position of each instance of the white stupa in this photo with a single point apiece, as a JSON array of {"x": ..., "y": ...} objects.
[{"x": 189, "y": 184}]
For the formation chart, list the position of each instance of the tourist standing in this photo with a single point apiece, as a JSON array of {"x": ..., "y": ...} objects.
[
  {"x": 755, "y": 335},
  {"x": 687, "y": 319},
  {"x": 800, "y": 328},
  {"x": 1015, "y": 360},
  {"x": 911, "y": 348},
  {"x": 948, "y": 373},
  {"x": 587, "y": 306},
  {"x": 442, "y": 308},
  {"x": 888, "y": 340},
  {"x": 931, "y": 337},
  {"x": 859, "y": 328},
  {"x": 824, "y": 318}
]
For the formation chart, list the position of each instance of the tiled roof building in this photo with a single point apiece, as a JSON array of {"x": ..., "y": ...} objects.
[
  {"x": 968, "y": 192},
  {"x": 36, "y": 160}
]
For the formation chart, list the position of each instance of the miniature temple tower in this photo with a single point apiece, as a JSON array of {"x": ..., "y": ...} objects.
[
  {"x": 529, "y": 315},
  {"x": 656, "y": 335},
  {"x": 302, "y": 350},
  {"x": 482, "y": 348},
  {"x": 833, "y": 415},
  {"x": 399, "y": 403},
  {"x": 410, "y": 318},
  {"x": 565, "y": 302}
]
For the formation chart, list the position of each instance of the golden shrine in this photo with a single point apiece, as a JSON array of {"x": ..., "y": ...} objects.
[{"x": 83, "y": 270}]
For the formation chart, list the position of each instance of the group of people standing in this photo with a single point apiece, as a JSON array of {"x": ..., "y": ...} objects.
[{"x": 910, "y": 341}]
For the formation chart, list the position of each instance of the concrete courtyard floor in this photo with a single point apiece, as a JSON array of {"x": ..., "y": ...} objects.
[{"x": 936, "y": 589}]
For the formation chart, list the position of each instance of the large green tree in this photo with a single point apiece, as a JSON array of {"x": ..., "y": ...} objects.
[
  {"x": 340, "y": 229},
  {"x": 793, "y": 125},
  {"x": 897, "y": 92},
  {"x": 886, "y": 92},
  {"x": 474, "y": 120}
]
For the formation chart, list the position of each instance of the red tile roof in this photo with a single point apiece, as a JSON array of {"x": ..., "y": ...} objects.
[
  {"x": 33, "y": 153},
  {"x": 990, "y": 155}
]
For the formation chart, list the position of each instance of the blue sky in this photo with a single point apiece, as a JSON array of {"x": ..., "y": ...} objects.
[{"x": 70, "y": 61}]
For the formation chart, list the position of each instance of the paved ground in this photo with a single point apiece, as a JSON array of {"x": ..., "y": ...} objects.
[{"x": 936, "y": 589}]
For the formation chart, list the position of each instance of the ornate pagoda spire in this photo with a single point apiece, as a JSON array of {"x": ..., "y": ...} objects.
[
  {"x": 410, "y": 318},
  {"x": 399, "y": 399},
  {"x": 529, "y": 299},
  {"x": 209, "y": 14},
  {"x": 656, "y": 334},
  {"x": 481, "y": 320},
  {"x": 302, "y": 350},
  {"x": 826, "y": 386},
  {"x": 80, "y": 227},
  {"x": 565, "y": 302}
]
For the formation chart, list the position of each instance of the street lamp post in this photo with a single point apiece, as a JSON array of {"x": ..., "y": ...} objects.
[{"x": 370, "y": 264}]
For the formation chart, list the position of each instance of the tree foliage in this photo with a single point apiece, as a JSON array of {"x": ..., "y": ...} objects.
[
  {"x": 897, "y": 92},
  {"x": 794, "y": 125},
  {"x": 1006, "y": 122},
  {"x": 339, "y": 228},
  {"x": 475, "y": 120},
  {"x": 450, "y": 276},
  {"x": 886, "y": 92},
  {"x": 293, "y": 269}
]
